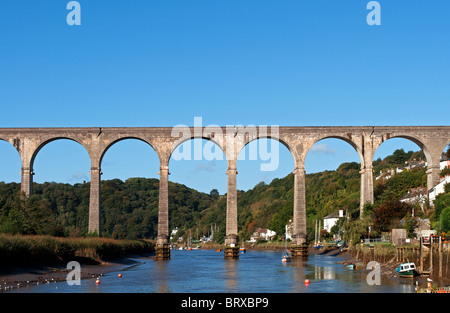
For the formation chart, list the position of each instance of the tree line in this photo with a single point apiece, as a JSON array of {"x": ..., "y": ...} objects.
[{"x": 130, "y": 208}]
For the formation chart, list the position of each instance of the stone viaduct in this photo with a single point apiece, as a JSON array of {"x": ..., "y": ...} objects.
[{"x": 231, "y": 139}]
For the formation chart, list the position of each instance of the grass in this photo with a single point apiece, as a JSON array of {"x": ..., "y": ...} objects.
[{"x": 19, "y": 250}]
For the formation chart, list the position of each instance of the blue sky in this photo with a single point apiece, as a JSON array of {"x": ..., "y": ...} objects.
[{"x": 260, "y": 62}]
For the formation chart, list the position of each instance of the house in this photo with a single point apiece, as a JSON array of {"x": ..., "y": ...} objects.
[
  {"x": 445, "y": 163},
  {"x": 206, "y": 239},
  {"x": 263, "y": 234},
  {"x": 438, "y": 189},
  {"x": 416, "y": 196},
  {"x": 173, "y": 233},
  {"x": 416, "y": 164},
  {"x": 331, "y": 219}
]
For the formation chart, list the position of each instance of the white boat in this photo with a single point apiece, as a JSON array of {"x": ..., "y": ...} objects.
[{"x": 407, "y": 270}]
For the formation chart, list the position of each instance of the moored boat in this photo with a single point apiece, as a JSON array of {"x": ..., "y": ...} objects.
[
  {"x": 287, "y": 255},
  {"x": 351, "y": 266},
  {"x": 317, "y": 244},
  {"x": 406, "y": 270}
]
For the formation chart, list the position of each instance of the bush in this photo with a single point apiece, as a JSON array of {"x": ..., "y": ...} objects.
[{"x": 445, "y": 220}]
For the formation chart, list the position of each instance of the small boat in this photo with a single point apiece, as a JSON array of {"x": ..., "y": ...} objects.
[
  {"x": 318, "y": 246},
  {"x": 242, "y": 250},
  {"x": 287, "y": 255},
  {"x": 407, "y": 270},
  {"x": 351, "y": 266}
]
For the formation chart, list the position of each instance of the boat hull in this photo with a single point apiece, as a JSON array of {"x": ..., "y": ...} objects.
[{"x": 407, "y": 274}]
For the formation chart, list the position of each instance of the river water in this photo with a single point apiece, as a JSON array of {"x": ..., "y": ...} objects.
[{"x": 206, "y": 271}]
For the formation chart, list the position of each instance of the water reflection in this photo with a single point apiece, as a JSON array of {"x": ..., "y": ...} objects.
[
  {"x": 299, "y": 267},
  {"x": 162, "y": 275},
  {"x": 326, "y": 272},
  {"x": 231, "y": 275}
]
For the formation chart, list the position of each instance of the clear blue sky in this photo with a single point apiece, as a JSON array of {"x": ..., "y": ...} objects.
[{"x": 260, "y": 62}]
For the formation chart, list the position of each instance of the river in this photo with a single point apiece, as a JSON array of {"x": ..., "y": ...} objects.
[{"x": 206, "y": 271}]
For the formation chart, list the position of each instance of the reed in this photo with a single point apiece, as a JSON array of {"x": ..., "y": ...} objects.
[{"x": 19, "y": 250}]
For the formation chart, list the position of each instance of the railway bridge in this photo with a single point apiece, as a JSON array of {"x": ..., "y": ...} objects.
[{"x": 231, "y": 139}]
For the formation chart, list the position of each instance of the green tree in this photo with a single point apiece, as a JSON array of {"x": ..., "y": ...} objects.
[
  {"x": 214, "y": 194},
  {"x": 445, "y": 220},
  {"x": 441, "y": 202},
  {"x": 410, "y": 226},
  {"x": 398, "y": 157},
  {"x": 354, "y": 231}
]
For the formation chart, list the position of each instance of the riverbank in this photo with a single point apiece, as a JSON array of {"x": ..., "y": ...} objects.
[
  {"x": 27, "y": 260},
  {"x": 387, "y": 262},
  {"x": 20, "y": 250},
  {"x": 20, "y": 277}
]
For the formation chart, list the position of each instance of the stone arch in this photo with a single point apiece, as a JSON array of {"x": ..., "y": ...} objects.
[
  {"x": 415, "y": 140},
  {"x": 15, "y": 149},
  {"x": 365, "y": 177},
  {"x": 43, "y": 143},
  {"x": 110, "y": 144},
  {"x": 355, "y": 146},
  {"x": 431, "y": 155},
  {"x": 11, "y": 143},
  {"x": 280, "y": 140},
  {"x": 185, "y": 139}
]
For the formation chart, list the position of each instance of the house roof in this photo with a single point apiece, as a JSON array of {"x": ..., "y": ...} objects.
[{"x": 333, "y": 215}]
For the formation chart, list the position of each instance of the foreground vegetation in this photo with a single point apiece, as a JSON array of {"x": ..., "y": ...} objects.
[{"x": 20, "y": 250}]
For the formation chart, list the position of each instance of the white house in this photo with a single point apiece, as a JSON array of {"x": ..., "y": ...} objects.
[
  {"x": 438, "y": 189},
  {"x": 263, "y": 234},
  {"x": 174, "y": 232},
  {"x": 331, "y": 219},
  {"x": 444, "y": 163}
]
